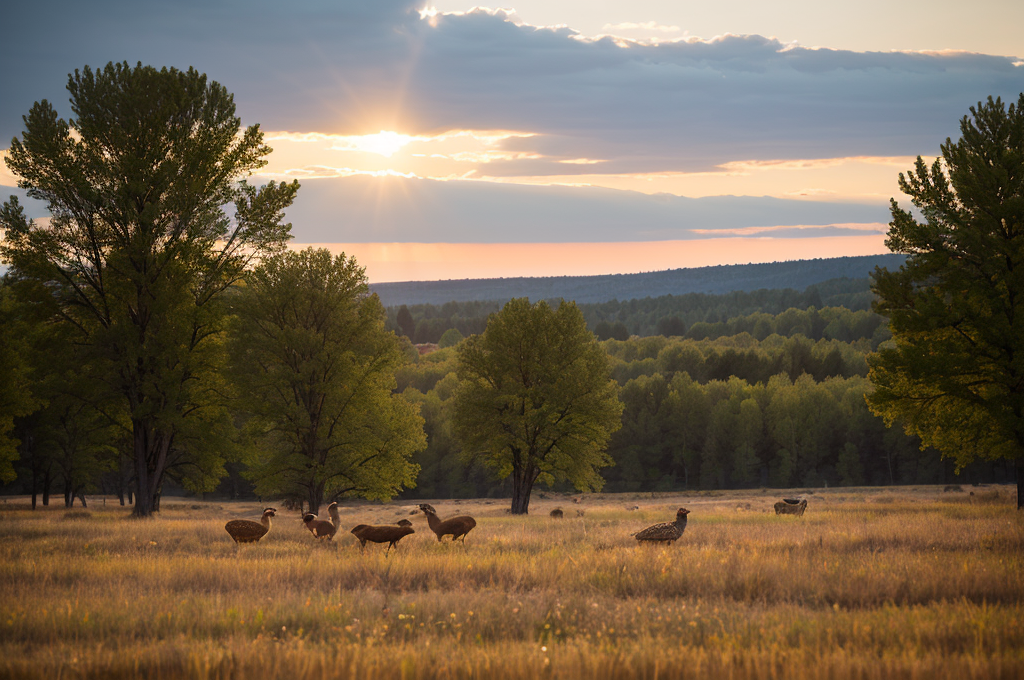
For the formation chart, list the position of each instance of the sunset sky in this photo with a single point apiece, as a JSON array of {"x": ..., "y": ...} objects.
[{"x": 439, "y": 141}]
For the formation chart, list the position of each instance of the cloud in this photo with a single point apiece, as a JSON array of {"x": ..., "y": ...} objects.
[
  {"x": 355, "y": 68},
  {"x": 360, "y": 209}
]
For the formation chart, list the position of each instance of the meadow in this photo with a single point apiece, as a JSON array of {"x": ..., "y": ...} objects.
[{"x": 869, "y": 583}]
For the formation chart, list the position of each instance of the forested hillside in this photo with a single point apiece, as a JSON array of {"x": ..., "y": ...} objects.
[
  {"x": 841, "y": 310},
  {"x": 796, "y": 274}
]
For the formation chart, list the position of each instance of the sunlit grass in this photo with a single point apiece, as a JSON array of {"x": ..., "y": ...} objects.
[{"x": 869, "y": 583}]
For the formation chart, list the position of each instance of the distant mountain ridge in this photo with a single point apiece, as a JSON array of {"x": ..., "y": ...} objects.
[{"x": 795, "y": 274}]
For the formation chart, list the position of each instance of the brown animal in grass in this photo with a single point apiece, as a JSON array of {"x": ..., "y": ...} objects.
[
  {"x": 557, "y": 513},
  {"x": 787, "y": 506},
  {"x": 247, "y": 531},
  {"x": 404, "y": 523},
  {"x": 387, "y": 533},
  {"x": 666, "y": 532},
  {"x": 320, "y": 528},
  {"x": 456, "y": 527}
]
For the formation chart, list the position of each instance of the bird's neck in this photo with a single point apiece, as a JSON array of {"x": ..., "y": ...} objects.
[{"x": 265, "y": 521}]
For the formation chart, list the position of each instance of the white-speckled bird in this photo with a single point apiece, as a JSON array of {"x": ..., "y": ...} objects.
[{"x": 666, "y": 531}]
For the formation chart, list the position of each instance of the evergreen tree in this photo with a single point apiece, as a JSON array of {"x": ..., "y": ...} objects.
[{"x": 954, "y": 374}]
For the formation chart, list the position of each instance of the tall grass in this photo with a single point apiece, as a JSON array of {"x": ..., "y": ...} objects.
[{"x": 911, "y": 583}]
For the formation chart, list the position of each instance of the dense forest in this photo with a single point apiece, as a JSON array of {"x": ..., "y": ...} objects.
[
  {"x": 733, "y": 412},
  {"x": 758, "y": 399},
  {"x": 836, "y": 308}
]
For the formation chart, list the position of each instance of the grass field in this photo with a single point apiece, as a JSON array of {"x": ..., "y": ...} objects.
[{"x": 870, "y": 583}]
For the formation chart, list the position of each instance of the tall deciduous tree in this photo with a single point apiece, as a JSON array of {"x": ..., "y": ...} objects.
[
  {"x": 16, "y": 396},
  {"x": 536, "y": 398},
  {"x": 139, "y": 246},
  {"x": 316, "y": 366},
  {"x": 954, "y": 374}
]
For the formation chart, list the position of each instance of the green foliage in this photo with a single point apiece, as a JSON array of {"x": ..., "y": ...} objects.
[
  {"x": 16, "y": 396},
  {"x": 535, "y": 398},
  {"x": 954, "y": 374},
  {"x": 139, "y": 246},
  {"x": 316, "y": 368},
  {"x": 451, "y": 337},
  {"x": 837, "y": 309}
]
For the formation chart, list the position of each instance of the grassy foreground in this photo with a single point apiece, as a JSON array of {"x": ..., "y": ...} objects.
[{"x": 905, "y": 583}]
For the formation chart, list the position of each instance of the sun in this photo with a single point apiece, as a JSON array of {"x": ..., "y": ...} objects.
[{"x": 384, "y": 143}]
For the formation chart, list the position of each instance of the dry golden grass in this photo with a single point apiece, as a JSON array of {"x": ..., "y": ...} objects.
[{"x": 907, "y": 583}]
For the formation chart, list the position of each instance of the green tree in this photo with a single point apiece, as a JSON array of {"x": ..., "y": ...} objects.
[
  {"x": 16, "y": 396},
  {"x": 450, "y": 338},
  {"x": 139, "y": 246},
  {"x": 316, "y": 366},
  {"x": 406, "y": 323},
  {"x": 536, "y": 398},
  {"x": 954, "y": 374}
]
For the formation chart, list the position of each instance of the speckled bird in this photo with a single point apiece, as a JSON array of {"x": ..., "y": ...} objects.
[
  {"x": 247, "y": 531},
  {"x": 666, "y": 531}
]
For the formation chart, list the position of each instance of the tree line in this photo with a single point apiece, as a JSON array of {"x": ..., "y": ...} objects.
[
  {"x": 839, "y": 309},
  {"x": 690, "y": 423}
]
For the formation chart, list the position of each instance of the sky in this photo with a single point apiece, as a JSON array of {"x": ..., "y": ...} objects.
[{"x": 439, "y": 140}]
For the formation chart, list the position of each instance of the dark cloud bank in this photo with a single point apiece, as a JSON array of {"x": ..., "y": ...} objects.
[{"x": 328, "y": 66}]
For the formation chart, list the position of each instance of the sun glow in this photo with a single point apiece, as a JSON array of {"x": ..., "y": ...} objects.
[{"x": 385, "y": 143}]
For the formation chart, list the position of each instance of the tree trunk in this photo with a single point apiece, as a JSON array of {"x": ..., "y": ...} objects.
[
  {"x": 522, "y": 485},
  {"x": 150, "y": 449},
  {"x": 46, "y": 487},
  {"x": 1020, "y": 483}
]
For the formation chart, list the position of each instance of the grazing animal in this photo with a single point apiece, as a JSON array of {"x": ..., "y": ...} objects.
[
  {"x": 666, "y": 531},
  {"x": 788, "y": 507},
  {"x": 556, "y": 513},
  {"x": 247, "y": 531},
  {"x": 387, "y": 533},
  {"x": 455, "y": 526},
  {"x": 321, "y": 528}
]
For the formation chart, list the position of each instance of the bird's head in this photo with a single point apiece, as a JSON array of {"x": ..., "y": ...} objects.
[
  {"x": 427, "y": 509},
  {"x": 270, "y": 512},
  {"x": 682, "y": 513},
  {"x": 404, "y": 523}
]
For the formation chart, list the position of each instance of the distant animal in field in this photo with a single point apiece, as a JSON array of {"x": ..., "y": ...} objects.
[
  {"x": 455, "y": 527},
  {"x": 404, "y": 523},
  {"x": 247, "y": 531},
  {"x": 556, "y": 513},
  {"x": 388, "y": 533},
  {"x": 577, "y": 499},
  {"x": 322, "y": 529},
  {"x": 791, "y": 506},
  {"x": 666, "y": 532},
  {"x": 631, "y": 508},
  {"x": 580, "y": 512}
]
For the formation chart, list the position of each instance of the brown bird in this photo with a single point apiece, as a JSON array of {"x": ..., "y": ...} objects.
[
  {"x": 404, "y": 523},
  {"x": 387, "y": 533},
  {"x": 666, "y": 531},
  {"x": 455, "y": 526},
  {"x": 322, "y": 528},
  {"x": 791, "y": 506},
  {"x": 247, "y": 531},
  {"x": 556, "y": 513}
]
